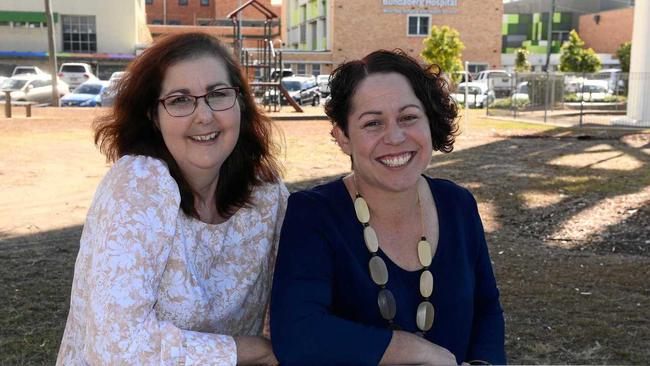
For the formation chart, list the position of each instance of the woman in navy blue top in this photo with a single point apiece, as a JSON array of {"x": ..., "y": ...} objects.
[{"x": 385, "y": 265}]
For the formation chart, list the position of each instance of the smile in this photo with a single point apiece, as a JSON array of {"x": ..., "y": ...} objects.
[
  {"x": 204, "y": 138},
  {"x": 396, "y": 161}
]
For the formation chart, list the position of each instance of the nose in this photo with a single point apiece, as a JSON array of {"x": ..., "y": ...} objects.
[
  {"x": 394, "y": 134},
  {"x": 203, "y": 113}
]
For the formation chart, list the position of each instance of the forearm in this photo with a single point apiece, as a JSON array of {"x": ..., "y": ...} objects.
[
  {"x": 408, "y": 349},
  {"x": 254, "y": 351}
]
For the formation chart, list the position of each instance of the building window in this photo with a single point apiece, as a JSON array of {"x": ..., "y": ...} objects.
[
  {"x": 205, "y": 2},
  {"x": 79, "y": 33},
  {"x": 157, "y": 21},
  {"x": 315, "y": 69},
  {"x": 302, "y": 69},
  {"x": 173, "y": 22},
  {"x": 418, "y": 25},
  {"x": 148, "y": 2},
  {"x": 182, "y": 2},
  {"x": 314, "y": 35}
]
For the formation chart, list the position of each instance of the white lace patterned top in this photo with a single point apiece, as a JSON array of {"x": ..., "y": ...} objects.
[{"x": 154, "y": 286}]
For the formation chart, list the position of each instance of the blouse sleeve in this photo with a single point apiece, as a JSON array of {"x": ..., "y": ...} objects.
[
  {"x": 131, "y": 224},
  {"x": 487, "y": 338},
  {"x": 304, "y": 330}
]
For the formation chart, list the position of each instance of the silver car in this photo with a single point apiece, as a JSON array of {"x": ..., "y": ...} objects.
[{"x": 32, "y": 88}]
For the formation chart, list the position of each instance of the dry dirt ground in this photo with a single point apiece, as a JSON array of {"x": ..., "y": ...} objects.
[{"x": 566, "y": 212}]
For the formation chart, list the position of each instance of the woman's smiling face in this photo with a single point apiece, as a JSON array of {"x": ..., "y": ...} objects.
[
  {"x": 201, "y": 141},
  {"x": 388, "y": 137}
]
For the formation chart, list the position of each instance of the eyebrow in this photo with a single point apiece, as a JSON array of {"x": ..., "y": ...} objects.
[
  {"x": 379, "y": 112},
  {"x": 207, "y": 88}
]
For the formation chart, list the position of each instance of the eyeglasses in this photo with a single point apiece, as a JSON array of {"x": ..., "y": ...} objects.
[{"x": 217, "y": 100}]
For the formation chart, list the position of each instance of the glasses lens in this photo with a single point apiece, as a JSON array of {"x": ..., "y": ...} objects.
[
  {"x": 179, "y": 106},
  {"x": 221, "y": 99}
]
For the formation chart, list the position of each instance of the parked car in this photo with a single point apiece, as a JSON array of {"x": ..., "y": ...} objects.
[
  {"x": 478, "y": 94},
  {"x": 32, "y": 88},
  {"x": 275, "y": 74},
  {"x": 109, "y": 93},
  {"x": 521, "y": 92},
  {"x": 496, "y": 80},
  {"x": 323, "y": 82},
  {"x": 594, "y": 91},
  {"x": 302, "y": 89},
  {"x": 88, "y": 94},
  {"x": 20, "y": 70},
  {"x": 75, "y": 73},
  {"x": 614, "y": 77}
]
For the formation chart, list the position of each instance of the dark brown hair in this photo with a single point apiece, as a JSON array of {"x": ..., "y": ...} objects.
[
  {"x": 129, "y": 128},
  {"x": 427, "y": 83}
]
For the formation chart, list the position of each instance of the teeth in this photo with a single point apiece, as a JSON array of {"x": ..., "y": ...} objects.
[
  {"x": 396, "y": 161},
  {"x": 209, "y": 137}
]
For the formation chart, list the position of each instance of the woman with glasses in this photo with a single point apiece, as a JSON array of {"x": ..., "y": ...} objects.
[
  {"x": 177, "y": 252},
  {"x": 386, "y": 265}
]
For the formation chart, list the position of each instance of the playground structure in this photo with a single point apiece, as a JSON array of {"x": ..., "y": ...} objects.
[{"x": 263, "y": 64}]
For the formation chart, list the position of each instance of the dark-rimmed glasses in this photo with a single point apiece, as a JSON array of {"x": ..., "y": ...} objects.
[{"x": 217, "y": 100}]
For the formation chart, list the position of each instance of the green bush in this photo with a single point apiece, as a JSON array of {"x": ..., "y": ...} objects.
[{"x": 507, "y": 103}]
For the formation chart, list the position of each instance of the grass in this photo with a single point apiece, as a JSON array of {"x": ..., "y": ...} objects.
[{"x": 568, "y": 297}]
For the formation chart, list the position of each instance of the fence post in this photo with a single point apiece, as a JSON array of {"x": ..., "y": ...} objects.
[
  {"x": 546, "y": 95},
  {"x": 8, "y": 104},
  {"x": 513, "y": 100},
  {"x": 582, "y": 98}
]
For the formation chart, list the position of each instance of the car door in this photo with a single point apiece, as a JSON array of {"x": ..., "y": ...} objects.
[{"x": 43, "y": 91}]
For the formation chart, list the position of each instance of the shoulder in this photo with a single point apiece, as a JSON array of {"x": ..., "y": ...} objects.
[
  {"x": 444, "y": 189},
  {"x": 324, "y": 195},
  {"x": 273, "y": 194},
  {"x": 136, "y": 177}
]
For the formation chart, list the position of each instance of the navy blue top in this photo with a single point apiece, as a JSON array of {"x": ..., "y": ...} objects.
[{"x": 324, "y": 304}]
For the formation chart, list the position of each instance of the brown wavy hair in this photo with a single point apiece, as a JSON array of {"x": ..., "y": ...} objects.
[
  {"x": 129, "y": 128},
  {"x": 429, "y": 85}
]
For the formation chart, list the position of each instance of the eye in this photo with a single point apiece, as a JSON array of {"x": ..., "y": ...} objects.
[
  {"x": 371, "y": 123},
  {"x": 179, "y": 100},
  {"x": 219, "y": 93},
  {"x": 409, "y": 118}
]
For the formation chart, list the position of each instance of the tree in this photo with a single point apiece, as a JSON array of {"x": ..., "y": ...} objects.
[
  {"x": 623, "y": 53},
  {"x": 521, "y": 60},
  {"x": 575, "y": 58},
  {"x": 443, "y": 47}
]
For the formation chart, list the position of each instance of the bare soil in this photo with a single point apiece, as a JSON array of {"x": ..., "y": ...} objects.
[{"x": 566, "y": 212}]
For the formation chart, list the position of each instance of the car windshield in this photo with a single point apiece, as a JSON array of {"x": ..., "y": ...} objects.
[
  {"x": 13, "y": 84},
  {"x": 291, "y": 85},
  {"x": 73, "y": 68},
  {"x": 24, "y": 71},
  {"x": 470, "y": 90},
  {"x": 593, "y": 89},
  {"x": 88, "y": 89}
]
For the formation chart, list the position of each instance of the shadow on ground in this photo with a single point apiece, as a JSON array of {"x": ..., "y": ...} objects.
[{"x": 566, "y": 213}]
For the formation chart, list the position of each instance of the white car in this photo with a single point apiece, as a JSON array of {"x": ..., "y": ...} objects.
[
  {"x": 20, "y": 70},
  {"x": 76, "y": 73},
  {"x": 497, "y": 80},
  {"x": 32, "y": 88},
  {"x": 594, "y": 91},
  {"x": 109, "y": 93},
  {"x": 323, "y": 82},
  {"x": 302, "y": 89},
  {"x": 478, "y": 94}
]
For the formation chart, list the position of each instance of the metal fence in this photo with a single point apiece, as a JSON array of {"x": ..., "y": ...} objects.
[{"x": 564, "y": 98}]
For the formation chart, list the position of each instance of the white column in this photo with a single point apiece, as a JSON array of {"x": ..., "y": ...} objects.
[{"x": 638, "y": 102}]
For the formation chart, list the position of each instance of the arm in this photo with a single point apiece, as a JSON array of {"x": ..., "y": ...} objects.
[
  {"x": 487, "y": 339},
  {"x": 131, "y": 228},
  {"x": 304, "y": 331}
]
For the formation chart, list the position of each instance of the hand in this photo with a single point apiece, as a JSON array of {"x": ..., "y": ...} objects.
[
  {"x": 255, "y": 351},
  {"x": 408, "y": 349},
  {"x": 439, "y": 355}
]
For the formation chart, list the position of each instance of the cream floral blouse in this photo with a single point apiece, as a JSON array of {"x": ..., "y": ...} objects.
[{"x": 153, "y": 286}]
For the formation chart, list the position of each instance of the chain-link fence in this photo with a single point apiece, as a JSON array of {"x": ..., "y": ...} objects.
[{"x": 563, "y": 98}]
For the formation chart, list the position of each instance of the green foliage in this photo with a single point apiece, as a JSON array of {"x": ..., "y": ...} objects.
[
  {"x": 521, "y": 60},
  {"x": 575, "y": 58},
  {"x": 507, "y": 103},
  {"x": 443, "y": 47},
  {"x": 623, "y": 53}
]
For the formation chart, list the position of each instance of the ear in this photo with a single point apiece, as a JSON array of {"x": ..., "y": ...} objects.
[{"x": 342, "y": 140}]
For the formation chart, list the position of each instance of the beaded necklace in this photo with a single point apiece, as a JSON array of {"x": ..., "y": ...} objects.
[{"x": 379, "y": 272}]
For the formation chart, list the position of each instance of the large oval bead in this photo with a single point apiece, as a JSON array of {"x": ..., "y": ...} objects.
[
  {"x": 361, "y": 209},
  {"x": 426, "y": 284},
  {"x": 370, "y": 237},
  {"x": 424, "y": 317},
  {"x": 378, "y": 270},
  {"x": 387, "y": 305},
  {"x": 424, "y": 253}
]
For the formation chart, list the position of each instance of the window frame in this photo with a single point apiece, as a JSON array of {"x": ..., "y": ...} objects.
[
  {"x": 418, "y": 25},
  {"x": 182, "y": 2}
]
